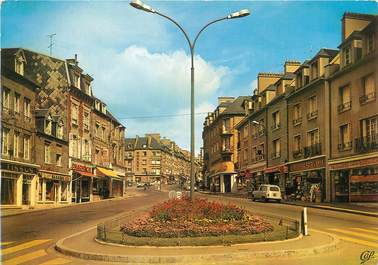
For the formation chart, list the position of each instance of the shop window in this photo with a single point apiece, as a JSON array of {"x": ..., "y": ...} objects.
[
  {"x": 50, "y": 190},
  {"x": 5, "y": 99},
  {"x": 95, "y": 187},
  {"x": 26, "y": 147},
  {"x": 64, "y": 191},
  {"x": 345, "y": 102},
  {"x": 5, "y": 141},
  {"x": 16, "y": 144},
  {"x": 17, "y": 103},
  {"x": 8, "y": 189}
]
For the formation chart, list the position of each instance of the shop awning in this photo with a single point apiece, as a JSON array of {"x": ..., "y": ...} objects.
[
  {"x": 84, "y": 173},
  {"x": 109, "y": 173}
]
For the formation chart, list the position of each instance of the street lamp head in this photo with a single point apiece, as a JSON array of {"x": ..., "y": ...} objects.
[
  {"x": 256, "y": 122},
  {"x": 241, "y": 13},
  {"x": 139, "y": 5}
]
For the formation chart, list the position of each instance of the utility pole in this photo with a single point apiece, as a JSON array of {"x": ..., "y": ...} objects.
[{"x": 51, "y": 42}]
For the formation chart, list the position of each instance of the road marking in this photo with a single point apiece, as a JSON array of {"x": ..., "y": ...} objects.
[
  {"x": 24, "y": 246},
  {"x": 25, "y": 258},
  {"x": 365, "y": 230},
  {"x": 6, "y": 243},
  {"x": 358, "y": 241},
  {"x": 56, "y": 261},
  {"x": 354, "y": 233}
]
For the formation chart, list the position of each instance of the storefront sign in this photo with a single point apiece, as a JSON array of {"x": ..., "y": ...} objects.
[
  {"x": 55, "y": 176},
  {"x": 78, "y": 167},
  {"x": 280, "y": 168},
  {"x": 368, "y": 178},
  {"x": 20, "y": 169},
  {"x": 353, "y": 164},
  {"x": 307, "y": 165}
]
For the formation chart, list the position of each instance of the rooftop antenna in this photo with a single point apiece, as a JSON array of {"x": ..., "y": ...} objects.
[{"x": 51, "y": 42}]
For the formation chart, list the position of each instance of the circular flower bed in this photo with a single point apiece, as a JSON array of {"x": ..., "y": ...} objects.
[{"x": 184, "y": 218}]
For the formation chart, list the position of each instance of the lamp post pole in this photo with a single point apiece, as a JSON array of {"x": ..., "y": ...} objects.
[{"x": 242, "y": 13}]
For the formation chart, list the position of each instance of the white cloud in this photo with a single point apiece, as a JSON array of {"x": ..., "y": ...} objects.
[{"x": 137, "y": 82}]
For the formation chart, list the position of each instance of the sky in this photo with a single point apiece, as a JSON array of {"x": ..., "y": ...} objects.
[{"x": 140, "y": 61}]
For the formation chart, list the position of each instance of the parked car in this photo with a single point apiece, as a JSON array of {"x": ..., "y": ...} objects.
[{"x": 267, "y": 192}]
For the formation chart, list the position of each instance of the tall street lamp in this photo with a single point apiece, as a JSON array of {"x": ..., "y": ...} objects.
[{"x": 242, "y": 13}]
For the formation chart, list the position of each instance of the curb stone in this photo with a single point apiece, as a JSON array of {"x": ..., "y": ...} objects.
[{"x": 195, "y": 258}]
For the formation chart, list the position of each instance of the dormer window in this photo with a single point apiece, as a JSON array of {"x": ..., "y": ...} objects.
[
  {"x": 76, "y": 80},
  {"x": 48, "y": 125},
  {"x": 59, "y": 130},
  {"x": 19, "y": 65},
  {"x": 346, "y": 53}
]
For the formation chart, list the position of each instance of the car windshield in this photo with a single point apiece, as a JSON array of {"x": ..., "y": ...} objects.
[
  {"x": 263, "y": 188},
  {"x": 274, "y": 189}
]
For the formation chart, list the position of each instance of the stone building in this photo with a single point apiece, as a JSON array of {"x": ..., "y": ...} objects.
[
  {"x": 353, "y": 161},
  {"x": 220, "y": 143},
  {"x": 19, "y": 170}
]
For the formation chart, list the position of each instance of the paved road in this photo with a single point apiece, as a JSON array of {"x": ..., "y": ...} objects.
[{"x": 29, "y": 238}]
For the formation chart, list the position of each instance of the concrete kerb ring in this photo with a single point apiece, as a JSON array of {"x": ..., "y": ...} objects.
[{"x": 195, "y": 258}]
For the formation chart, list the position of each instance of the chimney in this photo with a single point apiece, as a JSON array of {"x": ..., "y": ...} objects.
[
  {"x": 76, "y": 62},
  {"x": 266, "y": 79},
  {"x": 291, "y": 66}
]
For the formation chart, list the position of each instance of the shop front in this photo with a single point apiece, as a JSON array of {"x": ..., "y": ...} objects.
[
  {"x": 306, "y": 180},
  {"x": 254, "y": 175},
  {"x": 276, "y": 175},
  {"x": 18, "y": 183},
  {"x": 53, "y": 188},
  {"x": 354, "y": 179},
  {"x": 84, "y": 187},
  {"x": 224, "y": 179},
  {"x": 110, "y": 184}
]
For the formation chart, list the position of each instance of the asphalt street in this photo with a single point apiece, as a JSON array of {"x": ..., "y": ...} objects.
[{"x": 29, "y": 238}]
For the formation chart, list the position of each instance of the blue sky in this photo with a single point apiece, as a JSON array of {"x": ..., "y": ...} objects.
[{"x": 140, "y": 61}]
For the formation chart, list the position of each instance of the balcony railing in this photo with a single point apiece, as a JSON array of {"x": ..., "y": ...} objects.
[
  {"x": 312, "y": 115},
  {"x": 313, "y": 150},
  {"x": 275, "y": 126},
  {"x": 345, "y": 146},
  {"x": 367, "y": 98},
  {"x": 258, "y": 158},
  {"x": 276, "y": 155},
  {"x": 344, "y": 106},
  {"x": 297, "y": 153},
  {"x": 297, "y": 121},
  {"x": 367, "y": 143}
]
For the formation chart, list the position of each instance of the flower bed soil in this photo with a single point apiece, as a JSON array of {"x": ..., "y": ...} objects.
[{"x": 180, "y": 218}]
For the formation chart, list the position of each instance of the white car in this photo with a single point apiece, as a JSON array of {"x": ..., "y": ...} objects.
[{"x": 267, "y": 192}]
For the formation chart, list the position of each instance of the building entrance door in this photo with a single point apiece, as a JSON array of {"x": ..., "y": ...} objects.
[{"x": 25, "y": 193}]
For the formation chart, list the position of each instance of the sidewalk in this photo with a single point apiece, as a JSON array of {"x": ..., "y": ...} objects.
[
  {"x": 83, "y": 245},
  {"x": 5, "y": 212},
  {"x": 367, "y": 208}
]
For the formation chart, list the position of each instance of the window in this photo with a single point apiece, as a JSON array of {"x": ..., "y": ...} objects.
[
  {"x": 103, "y": 134},
  {"x": 313, "y": 108},
  {"x": 370, "y": 43},
  {"x": 26, "y": 147},
  {"x": 17, "y": 99},
  {"x": 86, "y": 153},
  {"x": 76, "y": 80},
  {"x": 97, "y": 156},
  {"x": 16, "y": 144},
  {"x": 368, "y": 89},
  {"x": 261, "y": 127},
  {"x": 144, "y": 153},
  {"x": 86, "y": 121},
  {"x": 345, "y": 137},
  {"x": 144, "y": 162},
  {"x": 27, "y": 110},
  {"x": 5, "y": 99},
  {"x": 370, "y": 128},
  {"x": 75, "y": 146},
  {"x": 346, "y": 52},
  {"x": 276, "y": 148},
  {"x": 97, "y": 130},
  {"x": 47, "y": 153},
  {"x": 48, "y": 125},
  {"x": 276, "y": 120},
  {"x": 297, "y": 143},
  {"x": 59, "y": 160},
  {"x": 74, "y": 114},
  {"x": 4, "y": 141},
  {"x": 297, "y": 114},
  {"x": 226, "y": 145},
  {"x": 226, "y": 125},
  {"x": 19, "y": 65},
  {"x": 313, "y": 137},
  {"x": 59, "y": 130},
  {"x": 344, "y": 99}
]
